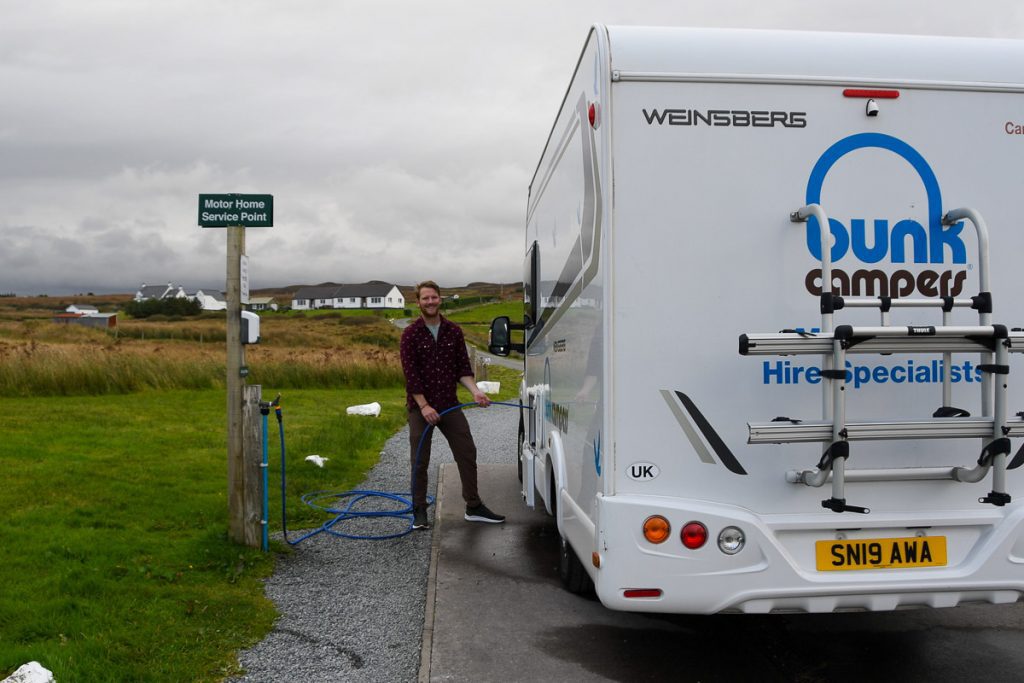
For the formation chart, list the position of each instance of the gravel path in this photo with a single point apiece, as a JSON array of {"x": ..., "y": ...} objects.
[{"x": 354, "y": 610}]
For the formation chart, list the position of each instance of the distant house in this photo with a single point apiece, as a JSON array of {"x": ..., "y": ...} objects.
[
  {"x": 168, "y": 291},
  {"x": 262, "y": 303},
  {"x": 373, "y": 294},
  {"x": 82, "y": 309},
  {"x": 312, "y": 298},
  {"x": 210, "y": 300}
]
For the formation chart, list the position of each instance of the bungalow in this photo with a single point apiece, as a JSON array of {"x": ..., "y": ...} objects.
[
  {"x": 82, "y": 309},
  {"x": 374, "y": 294},
  {"x": 210, "y": 299},
  {"x": 262, "y": 303}
]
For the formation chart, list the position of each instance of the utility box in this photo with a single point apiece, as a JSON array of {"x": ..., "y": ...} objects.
[{"x": 250, "y": 328}]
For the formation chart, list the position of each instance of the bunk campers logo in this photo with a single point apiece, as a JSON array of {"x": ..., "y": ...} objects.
[
  {"x": 936, "y": 252},
  {"x": 736, "y": 118},
  {"x": 937, "y": 249}
]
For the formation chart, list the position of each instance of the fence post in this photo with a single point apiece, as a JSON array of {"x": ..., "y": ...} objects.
[
  {"x": 252, "y": 459},
  {"x": 479, "y": 363}
]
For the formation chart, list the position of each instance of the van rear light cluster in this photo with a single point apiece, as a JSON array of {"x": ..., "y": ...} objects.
[
  {"x": 731, "y": 540},
  {"x": 657, "y": 529},
  {"x": 694, "y": 535}
]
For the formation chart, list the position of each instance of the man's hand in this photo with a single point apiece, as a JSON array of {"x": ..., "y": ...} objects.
[
  {"x": 430, "y": 415},
  {"x": 478, "y": 396}
]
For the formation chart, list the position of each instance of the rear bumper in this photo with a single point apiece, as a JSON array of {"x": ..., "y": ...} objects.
[{"x": 776, "y": 570}]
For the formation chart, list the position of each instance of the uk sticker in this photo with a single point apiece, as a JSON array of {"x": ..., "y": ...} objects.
[{"x": 643, "y": 471}]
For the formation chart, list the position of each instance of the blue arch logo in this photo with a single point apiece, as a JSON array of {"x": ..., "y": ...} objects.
[{"x": 927, "y": 245}]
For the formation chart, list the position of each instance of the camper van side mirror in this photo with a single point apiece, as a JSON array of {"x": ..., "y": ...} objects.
[{"x": 500, "y": 342}]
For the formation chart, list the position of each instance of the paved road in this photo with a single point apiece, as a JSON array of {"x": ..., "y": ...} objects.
[
  {"x": 354, "y": 610},
  {"x": 500, "y": 614},
  {"x": 359, "y": 610}
]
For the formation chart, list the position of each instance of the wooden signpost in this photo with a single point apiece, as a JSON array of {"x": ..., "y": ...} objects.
[{"x": 236, "y": 212}]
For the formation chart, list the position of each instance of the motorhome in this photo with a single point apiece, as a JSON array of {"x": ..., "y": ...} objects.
[{"x": 771, "y": 315}]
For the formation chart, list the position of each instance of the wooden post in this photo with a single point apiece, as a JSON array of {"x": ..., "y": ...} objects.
[
  {"x": 234, "y": 384},
  {"x": 252, "y": 448}
]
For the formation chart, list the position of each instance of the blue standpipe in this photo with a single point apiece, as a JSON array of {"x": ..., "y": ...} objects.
[{"x": 265, "y": 466}]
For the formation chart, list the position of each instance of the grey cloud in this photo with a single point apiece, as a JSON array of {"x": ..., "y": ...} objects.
[{"x": 398, "y": 138}]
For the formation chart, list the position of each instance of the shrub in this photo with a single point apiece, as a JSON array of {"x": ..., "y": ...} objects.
[{"x": 166, "y": 307}]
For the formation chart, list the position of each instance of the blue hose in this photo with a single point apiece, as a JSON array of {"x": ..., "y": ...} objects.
[
  {"x": 334, "y": 503},
  {"x": 265, "y": 466}
]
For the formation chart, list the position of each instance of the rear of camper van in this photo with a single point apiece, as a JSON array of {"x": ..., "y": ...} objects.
[{"x": 772, "y": 292}]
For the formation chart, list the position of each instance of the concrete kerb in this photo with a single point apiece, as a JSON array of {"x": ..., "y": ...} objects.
[{"x": 426, "y": 645}]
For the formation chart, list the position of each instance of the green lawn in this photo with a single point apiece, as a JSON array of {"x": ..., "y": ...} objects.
[{"x": 114, "y": 516}]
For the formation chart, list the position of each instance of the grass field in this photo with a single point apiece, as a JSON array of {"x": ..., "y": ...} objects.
[
  {"x": 114, "y": 515},
  {"x": 116, "y": 507}
]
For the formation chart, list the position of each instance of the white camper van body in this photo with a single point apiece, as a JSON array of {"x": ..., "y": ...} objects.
[{"x": 659, "y": 231}]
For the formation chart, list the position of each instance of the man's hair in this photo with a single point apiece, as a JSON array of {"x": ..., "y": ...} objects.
[{"x": 427, "y": 284}]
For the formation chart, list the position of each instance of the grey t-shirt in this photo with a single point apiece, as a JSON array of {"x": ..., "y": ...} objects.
[{"x": 434, "y": 329}]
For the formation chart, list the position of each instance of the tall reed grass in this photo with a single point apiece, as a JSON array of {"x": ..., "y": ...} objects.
[{"x": 43, "y": 369}]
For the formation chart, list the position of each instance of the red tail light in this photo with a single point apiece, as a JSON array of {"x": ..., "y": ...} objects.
[{"x": 694, "y": 535}]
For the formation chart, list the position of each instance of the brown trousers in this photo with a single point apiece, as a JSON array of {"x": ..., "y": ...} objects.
[{"x": 455, "y": 428}]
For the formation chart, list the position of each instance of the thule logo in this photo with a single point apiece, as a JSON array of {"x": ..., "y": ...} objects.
[{"x": 736, "y": 118}]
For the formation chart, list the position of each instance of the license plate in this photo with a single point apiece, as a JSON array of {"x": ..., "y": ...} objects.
[{"x": 880, "y": 553}]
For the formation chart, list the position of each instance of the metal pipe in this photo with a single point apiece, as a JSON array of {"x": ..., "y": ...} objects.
[
  {"x": 265, "y": 465},
  {"x": 984, "y": 317},
  {"x": 800, "y": 216}
]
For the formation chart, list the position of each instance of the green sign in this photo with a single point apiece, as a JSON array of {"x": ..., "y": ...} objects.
[{"x": 230, "y": 210}]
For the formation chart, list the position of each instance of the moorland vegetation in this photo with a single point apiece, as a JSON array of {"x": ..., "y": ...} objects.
[{"x": 117, "y": 563}]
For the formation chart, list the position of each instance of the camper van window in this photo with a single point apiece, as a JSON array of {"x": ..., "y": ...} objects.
[{"x": 531, "y": 276}]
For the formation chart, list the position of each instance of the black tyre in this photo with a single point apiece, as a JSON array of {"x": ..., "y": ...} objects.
[
  {"x": 522, "y": 440},
  {"x": 574, "y": 576},
  {"x": 570, "y": 570}
]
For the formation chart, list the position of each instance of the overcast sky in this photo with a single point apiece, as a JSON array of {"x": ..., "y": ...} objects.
[{"x": 397, "y": 137}]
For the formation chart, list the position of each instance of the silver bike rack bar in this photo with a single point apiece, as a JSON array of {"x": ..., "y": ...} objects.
[{"x": 992, "y": 342}]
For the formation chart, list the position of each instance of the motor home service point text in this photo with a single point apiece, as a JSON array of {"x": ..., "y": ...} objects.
[{"x": 236, "y": 210}]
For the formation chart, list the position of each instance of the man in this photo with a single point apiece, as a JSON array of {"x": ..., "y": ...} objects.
[{"x": 435, "y": 362}]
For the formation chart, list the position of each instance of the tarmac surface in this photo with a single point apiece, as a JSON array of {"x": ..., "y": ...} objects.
[
  {"x": 499, "y": 613},
  {"x": 354, "y": 610},
  {"x": 480, "y": 602}
]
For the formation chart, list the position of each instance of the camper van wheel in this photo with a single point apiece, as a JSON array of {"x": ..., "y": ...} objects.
[
  {"x": 522, "y": 439},
  {"x": 570, "y": 570}
]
